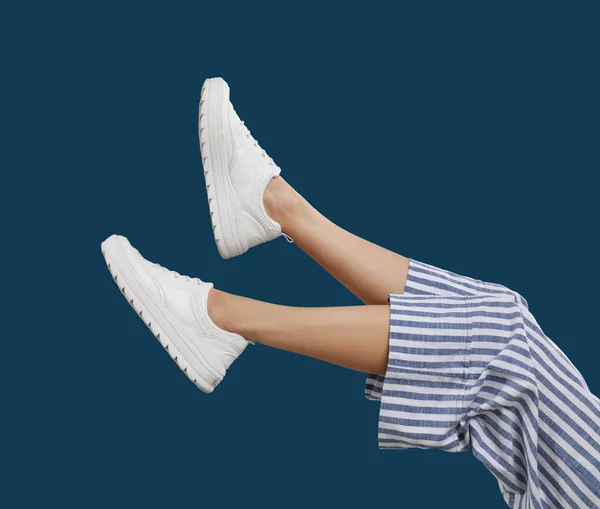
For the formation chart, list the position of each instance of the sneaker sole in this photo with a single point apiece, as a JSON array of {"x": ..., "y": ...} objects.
[
  {"x": 212, "y": 98},
  {"x": 116, "y": 261}
]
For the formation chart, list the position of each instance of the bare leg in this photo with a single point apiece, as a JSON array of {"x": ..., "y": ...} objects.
[
  {"x": 370, "y": 272},
  {"x": 354, "y": 337}
]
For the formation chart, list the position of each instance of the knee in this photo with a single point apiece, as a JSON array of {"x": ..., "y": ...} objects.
[
  {"x": 518, "y": 298},
  {"x": 495, "y": 288}
]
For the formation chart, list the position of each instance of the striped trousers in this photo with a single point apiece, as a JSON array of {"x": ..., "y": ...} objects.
[{"x": 470, "y": 368}]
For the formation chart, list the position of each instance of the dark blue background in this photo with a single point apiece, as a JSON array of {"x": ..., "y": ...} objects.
[{"x": 466, "y": 137}]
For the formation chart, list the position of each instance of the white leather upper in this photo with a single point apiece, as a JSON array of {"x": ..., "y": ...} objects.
[
  {"x": 183, "y": 302},
  {"x": 244, "y": 170}
]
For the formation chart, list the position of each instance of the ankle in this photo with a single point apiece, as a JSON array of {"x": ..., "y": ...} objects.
[
  {"x": 283, "y": 203},
  {"x": 218, "y": 305}
]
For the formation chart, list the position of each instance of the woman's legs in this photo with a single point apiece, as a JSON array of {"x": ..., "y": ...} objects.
[
  {"x": 370, "y": 272},
  {"x": 354, "y": 337}
]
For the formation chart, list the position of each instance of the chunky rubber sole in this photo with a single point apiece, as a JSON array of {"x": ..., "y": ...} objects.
[
  {"x": 159, "y": 325},
  {"x": 213, "y": 99}
]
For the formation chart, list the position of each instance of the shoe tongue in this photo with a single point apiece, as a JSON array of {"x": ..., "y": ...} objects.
[{"x": 205, "y": 289}]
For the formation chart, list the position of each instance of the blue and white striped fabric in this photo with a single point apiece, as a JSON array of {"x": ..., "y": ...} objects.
[{"x": 470, "y": 368}]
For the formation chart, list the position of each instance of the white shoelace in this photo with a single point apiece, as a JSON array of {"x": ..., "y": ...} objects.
[
  {"x": 263, "y": 152},
  {"x": 287, "y": 237},
  {"x": 177, "y": 275}
]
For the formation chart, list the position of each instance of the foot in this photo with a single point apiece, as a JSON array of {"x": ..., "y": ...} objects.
[
  {"x": 236, "y": 171},
  {"x": 174, "y": 308}
]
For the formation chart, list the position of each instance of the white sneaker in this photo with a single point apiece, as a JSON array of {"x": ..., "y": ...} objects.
[
  {"x": 236, "y": 171},
  {"x": 174, "y": 307}
]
